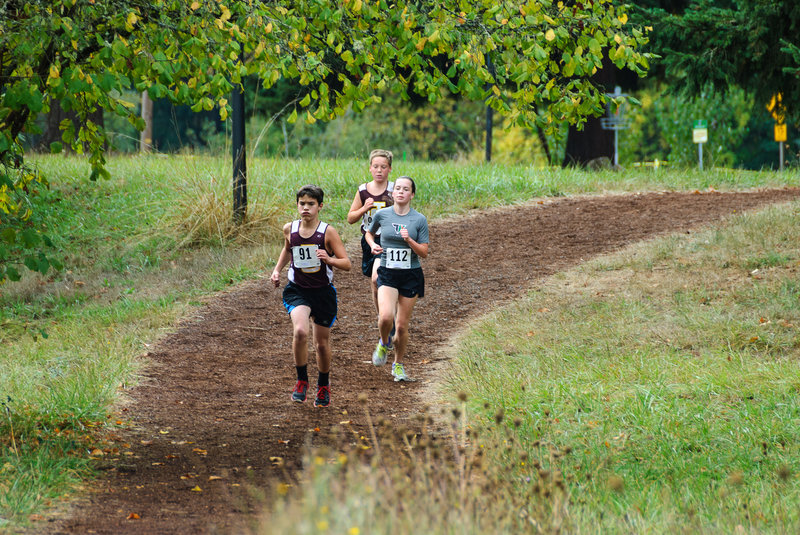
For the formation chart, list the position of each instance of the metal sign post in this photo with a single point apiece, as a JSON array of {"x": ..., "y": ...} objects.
[
  {"x": 700, "y": 136},
  {"x": 615, "y": 121}
]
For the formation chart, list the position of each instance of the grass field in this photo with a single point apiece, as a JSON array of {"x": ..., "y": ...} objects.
[{"x": 699, "y": 385}]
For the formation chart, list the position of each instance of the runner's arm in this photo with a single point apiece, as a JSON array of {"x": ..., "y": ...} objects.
[
  {"x": 283, "y": 258},
  {"x": 334, "y": 243},
  {"x": 358, "y": 209},
  {"x": 374, "y": 247},
  {"x": 420, "y": 248}
]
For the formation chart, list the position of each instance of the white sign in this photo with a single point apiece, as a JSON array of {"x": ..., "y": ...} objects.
[{"x": 700, "y": 135}]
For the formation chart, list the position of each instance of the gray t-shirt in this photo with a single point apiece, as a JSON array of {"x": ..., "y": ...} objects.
[{"x": 396, "y": 252}]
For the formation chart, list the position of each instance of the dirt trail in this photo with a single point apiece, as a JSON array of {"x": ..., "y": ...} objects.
[{"x": 215, "y": 400}]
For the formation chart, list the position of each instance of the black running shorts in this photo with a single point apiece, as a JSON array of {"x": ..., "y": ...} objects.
[
  {"x": 409, "y": 282},
  {"x": 321, "y": 301}
]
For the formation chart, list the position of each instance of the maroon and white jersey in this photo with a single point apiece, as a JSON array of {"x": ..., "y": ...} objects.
[
  {"x": 306, "y": 270},
  {"x": 382, "y": 200}
]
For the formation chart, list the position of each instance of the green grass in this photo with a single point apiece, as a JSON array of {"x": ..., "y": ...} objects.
[
  {"x": 140, "y": 250},
  {"x": 670, "y": 369}
]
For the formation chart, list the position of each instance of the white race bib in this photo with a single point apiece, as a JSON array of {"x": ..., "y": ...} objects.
[
  {"x": 305, "y": 256},
  {"x": 398, "y": 258},
  {"x": 367, "y": 220}
]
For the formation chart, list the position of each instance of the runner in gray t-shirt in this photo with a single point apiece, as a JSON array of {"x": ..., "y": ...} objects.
[{"x": 404, "y": 240}]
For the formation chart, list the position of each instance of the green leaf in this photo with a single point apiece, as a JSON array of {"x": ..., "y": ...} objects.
[
  {"x": 12, "y": 273},
  {"x": 8, "y": 235},
  {"x": 30, "y": 238},
  {"x": 56, "y": 147}
]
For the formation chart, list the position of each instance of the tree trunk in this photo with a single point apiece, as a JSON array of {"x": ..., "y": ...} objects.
[
  {"x": 588, "y": 144},
  {"x": 52, "y": 133},
  {"x": 593, "y": 142},
  {"x": 146, "y": 136}
]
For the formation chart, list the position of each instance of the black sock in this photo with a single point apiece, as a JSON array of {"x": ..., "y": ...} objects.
[
  {"x": 323, "y": 379},
  {"x": 302, "y": 373}
]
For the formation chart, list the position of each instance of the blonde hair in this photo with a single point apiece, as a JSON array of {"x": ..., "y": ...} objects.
[{"x": 381, "y": 152}]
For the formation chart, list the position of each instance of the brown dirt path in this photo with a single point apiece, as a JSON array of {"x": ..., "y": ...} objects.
[{"x": 215, "y": 399}]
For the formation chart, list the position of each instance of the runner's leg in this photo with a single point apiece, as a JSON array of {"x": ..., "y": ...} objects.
[
  {"x": 300, "y": 326},
  {"x": 387, "y": 308},
  {"x": 322, "y": 339},
  {"x": 405, "y": 306}
]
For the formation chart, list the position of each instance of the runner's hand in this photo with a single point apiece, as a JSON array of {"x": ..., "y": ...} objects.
[{"x": 275, "y": 278}]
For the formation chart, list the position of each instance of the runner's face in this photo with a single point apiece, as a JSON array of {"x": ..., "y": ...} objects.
[
  {"x": 379, "y": 168},
  {"x": 402, "y": 193},
  {"x": 308, "y": 207}
]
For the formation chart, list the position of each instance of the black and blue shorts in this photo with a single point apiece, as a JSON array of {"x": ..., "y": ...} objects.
[
  {"x": 408, "y": 282},
  {"x": 321, "y": 301},
  {"x": 367, "y": 258}
]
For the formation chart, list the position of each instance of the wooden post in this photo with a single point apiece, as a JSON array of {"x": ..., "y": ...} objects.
[{"x": 146, "y": 136}]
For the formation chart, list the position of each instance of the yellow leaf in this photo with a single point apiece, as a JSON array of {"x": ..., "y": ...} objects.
[
  {"x": 550, "y": 35},
  {"x": 421, "y": 43},
  {"x": 132, "y": 18},
  {"x": 268, "y": 28},
  {"x": 54, "y": 71},
  {"x": 197, "y": 489},
  {"x": 623, "y": 18},
  {"x": 195, "y": 6},
  {"x": 357, "y": 6},
  {"x": 214, "y": 478},
  {"x": 133, "y": 516}
]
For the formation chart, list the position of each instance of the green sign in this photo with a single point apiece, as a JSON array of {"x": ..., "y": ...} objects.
[{"x": 701, "y": 123}]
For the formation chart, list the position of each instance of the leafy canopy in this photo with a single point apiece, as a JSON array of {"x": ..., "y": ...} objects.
[
  {"x": 84, "y": 54},
  {"x": 721, "y": 44}
]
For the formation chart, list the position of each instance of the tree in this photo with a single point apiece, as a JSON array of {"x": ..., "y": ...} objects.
[
  {"x": 85, "y": 53},
  {"x": 719, "y": 44}
]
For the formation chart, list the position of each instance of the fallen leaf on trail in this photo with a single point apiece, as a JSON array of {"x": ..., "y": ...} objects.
[
  {"x": 200, "y": 451},
  {"x": 345, "y": 422},
  {"x": 283, "y": 441},
  {"x": 146, "y": 442},
  {"x": 197, "y": 489},
  {"x": 35, "y": 517},
  {"x": 133, "y": 516},
  {"x": 754, "y": 339},
  {"x": 316, "y": 429},
  {"x": 164, "y": 431},
  {"x": 157, "y": 464},
  {"x": 97, "y": 452},
  {"x": 276, "y": 461},
  {"x": 544, "y": 309},
  {"x": 214, "y": 478},
  {"x": 171, "y": 456}
]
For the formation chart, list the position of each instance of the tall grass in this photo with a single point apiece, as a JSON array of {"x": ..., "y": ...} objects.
[{"x": 141, "y": 249}]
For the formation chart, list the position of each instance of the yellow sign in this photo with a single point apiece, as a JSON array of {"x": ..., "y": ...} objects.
[
  {"x": 775, "y": 108},
  {"x": 700, "y": 135},
  {"x": 780, "y": 132}
]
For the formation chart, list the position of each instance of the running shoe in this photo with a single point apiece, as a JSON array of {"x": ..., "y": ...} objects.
[
  {"x": 299, "y": 392},
  {"x": 323, "y": 398},
  {"x": 379, "y": 355},
  {"x": 399, "y": 372}
]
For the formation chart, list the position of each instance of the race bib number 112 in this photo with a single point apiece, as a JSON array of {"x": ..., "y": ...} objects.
[{"x": 398, "y": 258}]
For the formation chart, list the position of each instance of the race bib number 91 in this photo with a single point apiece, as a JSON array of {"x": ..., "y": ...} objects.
[
  {"x": 305, "y": 256},
  {"x": 398, "y": 258}
]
